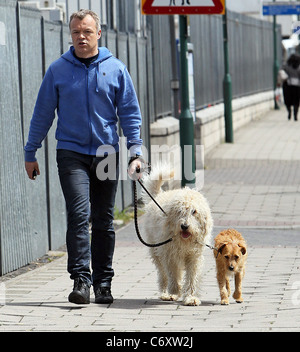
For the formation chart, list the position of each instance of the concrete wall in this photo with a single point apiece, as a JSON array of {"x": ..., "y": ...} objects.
[
  {"x": 209, "y": 129},
  {"x": 209, "y": 126}
]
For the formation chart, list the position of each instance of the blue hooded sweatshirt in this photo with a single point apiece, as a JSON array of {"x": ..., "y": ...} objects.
[{"x": 88, "y": 103}]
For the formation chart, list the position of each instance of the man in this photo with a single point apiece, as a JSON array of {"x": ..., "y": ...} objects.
[{"x": 89, "y": 88}]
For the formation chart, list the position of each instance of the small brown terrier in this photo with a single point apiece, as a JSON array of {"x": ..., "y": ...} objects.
[{"x": 230, "y": 253}]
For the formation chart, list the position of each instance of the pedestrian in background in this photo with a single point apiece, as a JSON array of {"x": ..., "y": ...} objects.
[
  {"x": 90, "y": 89},
  {"x": 289, "y": 76}
]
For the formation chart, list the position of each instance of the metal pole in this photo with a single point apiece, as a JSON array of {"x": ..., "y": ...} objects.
[
  {"x": 186, "y": 119},
  {"x": 175, "y": 76},
  {"x": 276, "y": 64},
  {"x": 227, "y": 86}
]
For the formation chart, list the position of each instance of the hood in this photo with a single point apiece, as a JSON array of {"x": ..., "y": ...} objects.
[{"x": 104, "y": 54}]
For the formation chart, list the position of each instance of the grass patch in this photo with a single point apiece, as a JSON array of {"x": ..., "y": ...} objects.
[{"x": 127, "y": 214}]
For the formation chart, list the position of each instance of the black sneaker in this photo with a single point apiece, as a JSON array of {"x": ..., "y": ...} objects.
[
  {"x": 103, "y": 295},
  {"x": 80, "y": 293}
]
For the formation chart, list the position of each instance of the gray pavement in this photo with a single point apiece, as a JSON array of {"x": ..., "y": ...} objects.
[{"x": 252, "y": 185}]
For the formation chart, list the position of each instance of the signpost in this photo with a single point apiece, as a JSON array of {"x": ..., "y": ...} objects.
[
  {"x": 186, "y": 7},
  {"x": 227, "y": 86}
]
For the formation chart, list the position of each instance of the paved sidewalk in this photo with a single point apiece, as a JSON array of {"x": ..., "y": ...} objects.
[
  {"x": 252, "y": 185},
  {"x": 256, "y": 180}
]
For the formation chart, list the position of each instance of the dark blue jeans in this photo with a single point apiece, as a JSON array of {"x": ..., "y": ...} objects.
[{"x": 89, "y": 198}]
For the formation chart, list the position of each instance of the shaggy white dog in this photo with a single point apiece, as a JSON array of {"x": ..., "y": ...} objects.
[{"x": 189, "y": 222}]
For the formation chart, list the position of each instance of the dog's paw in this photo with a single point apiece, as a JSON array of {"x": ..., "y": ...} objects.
[
  {"x": 168, "y": 297},
  {"x": 238, "y": 298},
  {"x": 192, "y": 301},
  {"x": 225, "y": 302}
]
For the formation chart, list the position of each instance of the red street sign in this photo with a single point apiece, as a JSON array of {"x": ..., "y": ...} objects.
[{"x": 183, "y": 7}]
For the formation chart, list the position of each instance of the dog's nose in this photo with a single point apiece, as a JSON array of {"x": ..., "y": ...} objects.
[
  {"x": 184, "y": 227},
  {"x": 231, "y": 268}
]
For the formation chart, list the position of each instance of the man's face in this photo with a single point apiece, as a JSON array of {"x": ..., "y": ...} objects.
[{"x": 85, "y": 36}]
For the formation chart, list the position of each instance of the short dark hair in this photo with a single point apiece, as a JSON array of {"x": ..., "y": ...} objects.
[{"x": 82, "y": 13}]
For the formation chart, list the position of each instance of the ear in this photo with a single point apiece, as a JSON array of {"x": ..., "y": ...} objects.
[
  {"x": 243, "y": 249},
  {"x": 220, "y": 249}
]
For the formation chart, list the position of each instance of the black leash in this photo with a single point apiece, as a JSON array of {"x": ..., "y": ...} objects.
[
  {"x": 141, "y": 184},
  {"x": 136, "y": 217}
]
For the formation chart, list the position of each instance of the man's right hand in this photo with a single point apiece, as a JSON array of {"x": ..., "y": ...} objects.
[{"x": 30, "y": 167}]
